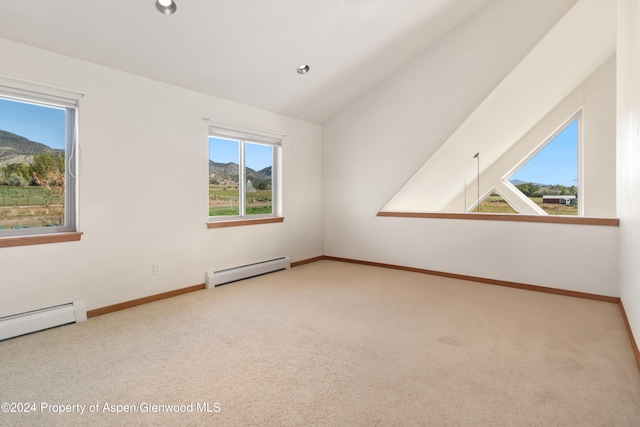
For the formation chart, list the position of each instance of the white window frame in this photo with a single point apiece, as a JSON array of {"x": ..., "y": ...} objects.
[
  {"x": 505, "y": 179},
  {"x": 51, "y": 96},
  {"x": 252, "y": 137}
]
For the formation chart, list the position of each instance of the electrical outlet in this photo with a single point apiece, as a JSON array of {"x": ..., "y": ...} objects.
[{"x": 156, "y": 269}]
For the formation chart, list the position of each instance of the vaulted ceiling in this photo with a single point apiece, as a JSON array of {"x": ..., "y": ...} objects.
[
  {"x": 578, "y": 44},
  {"x": 244, "y": 50}
]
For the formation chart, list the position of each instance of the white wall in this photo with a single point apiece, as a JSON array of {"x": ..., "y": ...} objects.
[
  {"x": 373, "y": 147},
  {"x": 577, "y": 45},
  {"x": 143, "y": 191},
  {"x": 596, "y": 98},
  {"x": 628, "y": 66}
]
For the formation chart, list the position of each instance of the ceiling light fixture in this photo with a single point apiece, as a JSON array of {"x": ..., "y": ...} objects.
[
  {"x": 303, "y": 69},
  {"x": 167, "y": 7}
]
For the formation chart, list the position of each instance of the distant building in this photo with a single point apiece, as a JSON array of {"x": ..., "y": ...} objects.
[{"x": 562, "y": 200}]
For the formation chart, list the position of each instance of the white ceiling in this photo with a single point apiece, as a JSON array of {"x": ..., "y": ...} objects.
[{"x": 244, "y": 50}]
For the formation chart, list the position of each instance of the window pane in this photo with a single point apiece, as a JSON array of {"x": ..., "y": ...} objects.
[
  {"x": 224, "y": 177},
  {"x": 33, "y": 140},
  {"x": 495, "y": 203},
  {"x": 259, "y": 184},
  {"x": 550, "y": 178}
]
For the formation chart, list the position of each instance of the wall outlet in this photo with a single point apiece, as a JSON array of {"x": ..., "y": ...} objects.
[{"x": 156, "y": 269}]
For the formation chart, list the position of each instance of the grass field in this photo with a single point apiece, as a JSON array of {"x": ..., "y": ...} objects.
[
  {"x": 26, "y": 196},
  {"x": 496, "y": 204},
  {"x": 29, "y": 207},
  {"x": 223, "y": 201}
]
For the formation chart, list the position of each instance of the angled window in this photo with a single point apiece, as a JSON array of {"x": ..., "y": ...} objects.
[
  {"x": 495, "y": 203},
  {"x": 37, "y": 163},
  {"x": 243, "y": 171},
  {"x": 549, "y": 177}
]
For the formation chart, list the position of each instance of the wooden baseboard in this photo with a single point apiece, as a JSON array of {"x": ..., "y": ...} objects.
[
  {"x": 140, "y": 301},
  {"x": 634, "y": 343},
  {"x": 603, "y": 298},
  {"x": 308, "y": 261},
  {"x": 535, "y": 288},
  {"x": 170, "y": 294}
]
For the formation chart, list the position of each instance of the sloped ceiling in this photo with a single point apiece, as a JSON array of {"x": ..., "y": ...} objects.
[
  {"x": 245, "y": 51},
  {"x": 578, "y": 44}
]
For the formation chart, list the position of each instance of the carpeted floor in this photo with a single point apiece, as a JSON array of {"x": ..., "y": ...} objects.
[{"x": 332, "y": 343}]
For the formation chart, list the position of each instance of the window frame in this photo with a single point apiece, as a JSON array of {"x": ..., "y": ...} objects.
[
  {"x": 244, "y": 137},
  {"x": 53, "y": 97},
  {"x": 578, "y": 116}
]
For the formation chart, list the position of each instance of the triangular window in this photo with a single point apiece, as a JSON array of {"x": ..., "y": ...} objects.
[
  {"x": 550, "y": 177},
  {"x": 495, "y": 203}
]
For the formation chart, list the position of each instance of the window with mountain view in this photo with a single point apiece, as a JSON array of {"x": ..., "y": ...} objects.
[
  {"x": 550, "y": 177},
  {"x": 241, "y": 175},
  {"x": 37, "y": 184}
]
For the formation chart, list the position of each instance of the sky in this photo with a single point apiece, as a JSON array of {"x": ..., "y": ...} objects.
[
  {"x": 258, "y": 156},
  {"x": 557, "y": 163},
  {"x": 20, "y": 117}
]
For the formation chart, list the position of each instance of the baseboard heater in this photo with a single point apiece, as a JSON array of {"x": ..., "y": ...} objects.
[
  {"x": 220, "y": 277},
  {"x": 44, "y": 318}
]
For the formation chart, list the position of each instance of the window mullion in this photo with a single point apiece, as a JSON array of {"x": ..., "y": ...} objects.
[{"x": 243, "y": 179}]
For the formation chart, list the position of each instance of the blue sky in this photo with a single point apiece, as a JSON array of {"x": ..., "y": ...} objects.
[
  {"x": 224, "y": 151},
  {"x": 20, "y": 117},
  {"x": 557, "y": 163}
]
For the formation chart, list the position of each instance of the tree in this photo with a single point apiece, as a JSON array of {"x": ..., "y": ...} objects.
[
  {"x": 19, "y": 171},
  {"x": 527, "y": 188},
  {"x": 16, "y": 180},
  {"x": 48, "y": 170}
]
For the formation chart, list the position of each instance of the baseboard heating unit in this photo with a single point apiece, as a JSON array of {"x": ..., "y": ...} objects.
[
  {"x": 44, "y": 318},
  {"x": 220, "y": 277}
]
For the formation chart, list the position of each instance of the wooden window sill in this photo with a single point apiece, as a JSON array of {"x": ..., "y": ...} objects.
[
  {"x": 241, "y": 222},
  {"x": 7, "y": 242},
  {"x": 549, "y": 219}
]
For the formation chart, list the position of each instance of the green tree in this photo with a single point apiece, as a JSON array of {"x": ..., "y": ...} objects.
[
  {"x": 528, "y": 188},
  {"x": 16, "y": 180},
  {"x": 47, "y": 169},
  {"x": 18, "y": 170}
]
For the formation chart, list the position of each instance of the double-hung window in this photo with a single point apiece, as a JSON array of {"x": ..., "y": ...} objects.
[
  {"x": 37, "y": 163},
  {"x": 243, "y": 175}
]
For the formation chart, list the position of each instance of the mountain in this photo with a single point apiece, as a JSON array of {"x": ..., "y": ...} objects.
[
  {"x": 227, "y": 173},
  {"x": 223, "y": 169},
  {"x": 18, "y": 149},
  {"x": 266, "y": 171}
]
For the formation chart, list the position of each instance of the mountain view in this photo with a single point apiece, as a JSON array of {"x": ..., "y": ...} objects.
[
  {"x": 17, "y": 149},
  {"x": 227, "y": 174},
  {"x": 32, "y": 177}
]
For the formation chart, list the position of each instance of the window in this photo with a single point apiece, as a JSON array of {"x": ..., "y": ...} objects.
[
  {"x": 37, "y": 163},
  {"x": 495, "y": 203},
  {"x": 550, "y": 177},
  {"x": 243, "y": 172}
]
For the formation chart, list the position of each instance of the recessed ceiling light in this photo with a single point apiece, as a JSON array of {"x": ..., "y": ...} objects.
[
  {"x": 167, "y": 7},
  {"x": 303, "y": 69}
]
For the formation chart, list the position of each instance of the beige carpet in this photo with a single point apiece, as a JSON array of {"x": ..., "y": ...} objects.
[{"x": 339, "y": 344}]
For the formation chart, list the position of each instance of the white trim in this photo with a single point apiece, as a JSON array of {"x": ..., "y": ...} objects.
[
  {"x": 43, "y": 91},
  {"x": 243, "y": 129}
]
